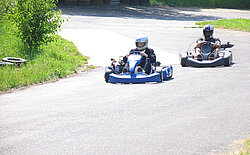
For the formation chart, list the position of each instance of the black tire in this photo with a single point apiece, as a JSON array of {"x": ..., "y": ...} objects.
[
  {"x": 159, "y": 70},
  {"x": 106, "y": 76},
  {"x": 5, "y": 63},
  {"x": 161, "y": 75},
  {"x": 171, "y": 73},
  {"x": 14, "y": 60},
  {"x": 183, "y": 62},
  {"x": 227, "y": 61}
]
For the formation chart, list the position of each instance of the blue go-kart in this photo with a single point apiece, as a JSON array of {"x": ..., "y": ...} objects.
[{"x": 134, "y": 73}]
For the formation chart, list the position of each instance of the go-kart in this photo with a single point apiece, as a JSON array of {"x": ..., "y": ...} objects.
[
  {"x": 207, "y": 57},
  {"x": 133, "y": 73}
]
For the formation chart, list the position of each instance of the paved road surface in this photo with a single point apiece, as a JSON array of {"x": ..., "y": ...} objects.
[{"x": 199, "y": 111}]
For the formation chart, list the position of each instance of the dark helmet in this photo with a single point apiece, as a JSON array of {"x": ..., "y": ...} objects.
[{"x": 208, "y": 31}]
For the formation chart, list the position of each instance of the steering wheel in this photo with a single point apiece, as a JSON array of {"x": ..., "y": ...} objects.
[{"x": 207, "y": 43}]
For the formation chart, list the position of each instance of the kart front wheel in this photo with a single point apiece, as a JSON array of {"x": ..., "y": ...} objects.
[
  {"x": 183, "y": 62},
  {"x": 106, "y": 76},
  {"x": 161, "y": 75},
  {"x": 171, "y": 72},
  {"x": 227, "y": 61}
]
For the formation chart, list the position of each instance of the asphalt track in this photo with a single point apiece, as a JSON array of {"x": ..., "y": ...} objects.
[{"x": 198, "y": 111}]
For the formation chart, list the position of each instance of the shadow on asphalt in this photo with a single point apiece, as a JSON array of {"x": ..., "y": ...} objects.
[
  {"x": 139, "y": 12},
  {"x": 168, "y": 79}
]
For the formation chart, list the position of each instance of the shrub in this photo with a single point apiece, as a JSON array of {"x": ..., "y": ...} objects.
[
  {"x": 35, "y": 20},
  {"x": 4, "y": 7}
]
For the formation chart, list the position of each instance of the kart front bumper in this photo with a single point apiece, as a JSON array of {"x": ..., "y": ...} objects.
[
  {"x": 205, "y": 63},
  {"x": 134, "y": 78}
]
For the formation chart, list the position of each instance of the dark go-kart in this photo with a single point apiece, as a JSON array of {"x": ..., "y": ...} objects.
[
  {"x": 117, "y": 73},
  {"x": 207, "y": 58}
]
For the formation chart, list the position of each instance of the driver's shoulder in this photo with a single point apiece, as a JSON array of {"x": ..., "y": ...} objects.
[
  {"x": 149, "y": 49},
  {"x": 200, "y": 39},
  {"x": 215, "y": 39},
  {"x": 134, "y": 49}
]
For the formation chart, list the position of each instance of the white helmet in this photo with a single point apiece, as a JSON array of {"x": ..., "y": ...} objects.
[{"x": 141, "y": 40}]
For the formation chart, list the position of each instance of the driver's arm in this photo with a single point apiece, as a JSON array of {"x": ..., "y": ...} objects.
[
  {"x": 125, "y": 58},
  {"x": 144, "y": 54},
  {"x": 199, "y": 43},
  {"x": 217, "y": 44},
  {"x": 152, "y": 56}
]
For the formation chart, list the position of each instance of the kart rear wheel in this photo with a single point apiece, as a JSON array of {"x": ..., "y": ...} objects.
[{"x": 106, "y": 76}]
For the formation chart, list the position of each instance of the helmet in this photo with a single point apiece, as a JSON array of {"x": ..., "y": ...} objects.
[
  {"x": 208, "y": 31},
  {"x": 143, "y": 40}
]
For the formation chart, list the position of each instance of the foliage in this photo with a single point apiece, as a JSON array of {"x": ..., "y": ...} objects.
[
  {"x": 205, "y": 3},
  {"x": 10, "y": 44},
  {"x": 36, "y": 20},
  {"x": 235, "y": 24},
  {"x": 4, "y": 5},
  {"x": 57, "y": 59},
  {"x": 158, "y": 2}
]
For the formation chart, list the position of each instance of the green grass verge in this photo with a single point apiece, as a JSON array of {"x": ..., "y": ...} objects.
[
  {"x": 245, "y": 150},
  {"x": 241, "y": 4},
  {"x": 234, "y": 24},
  {"x": 247, "y": 147},
  {"x": 57, "y": 59}
]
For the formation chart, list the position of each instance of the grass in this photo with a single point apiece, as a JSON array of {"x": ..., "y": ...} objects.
[
  {"x": 246, "y": 147},
  {"x": 245, "y": 150},
  {"x": 234, "y": 24},
  {"x": 57, "y": 59},
  {"x": 241, "y": 4}
]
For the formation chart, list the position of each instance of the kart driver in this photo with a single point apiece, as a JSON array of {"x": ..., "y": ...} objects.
[
  {"x": 148, "y": 55},
  {"x": 208, "y": 37}
]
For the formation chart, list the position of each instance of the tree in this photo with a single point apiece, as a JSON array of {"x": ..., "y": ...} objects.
[{"x": 36, "y": 20}]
